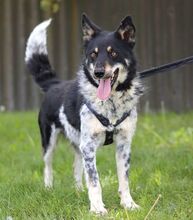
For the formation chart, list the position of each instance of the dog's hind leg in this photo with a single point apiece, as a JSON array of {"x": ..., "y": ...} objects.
[
  {"x": 49, "y": 135},
  {"x": 78, "y": 169}
]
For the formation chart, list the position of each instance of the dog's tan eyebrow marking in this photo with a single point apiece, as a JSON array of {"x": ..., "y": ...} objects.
[
  {"x": 109, "y": 49},
  {"x": 96, "y": 49}
]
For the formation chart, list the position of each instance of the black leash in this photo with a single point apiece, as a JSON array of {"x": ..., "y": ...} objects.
[{"x": 165, "y": 67}]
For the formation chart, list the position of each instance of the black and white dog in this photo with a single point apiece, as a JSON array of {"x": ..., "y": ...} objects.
[{"x": 95, "y": 109}]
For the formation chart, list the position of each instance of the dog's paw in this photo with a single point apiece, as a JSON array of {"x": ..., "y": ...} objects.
[
  {"x": 79, "y": 187},
  {"x": 130, "y": 204},
  {"x": 98, "y": 210},
  {"x": 48, "y": 184}
]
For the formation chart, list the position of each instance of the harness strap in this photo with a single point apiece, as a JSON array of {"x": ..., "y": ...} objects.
[
  {"x": 124, "y": 116},
  {"x": 105, "y": 122}
]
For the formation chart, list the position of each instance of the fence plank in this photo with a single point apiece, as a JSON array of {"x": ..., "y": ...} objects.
[
  {"x": 8, "y": 90},
  {"x": 164, "y": 33},
  {"x": 20, "y": 47},
  {"x": 1, "y": 54}
]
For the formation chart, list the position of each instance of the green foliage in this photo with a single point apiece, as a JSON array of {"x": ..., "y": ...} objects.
[
  {"x": 50, "y": 6},
  {"x": 161, "y": 163}
]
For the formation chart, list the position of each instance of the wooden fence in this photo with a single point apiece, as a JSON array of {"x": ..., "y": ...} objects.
[{"x": 164, "y": 33}]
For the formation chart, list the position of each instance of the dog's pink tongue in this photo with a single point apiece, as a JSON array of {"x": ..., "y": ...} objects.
[{"x": 104, "y": 89}]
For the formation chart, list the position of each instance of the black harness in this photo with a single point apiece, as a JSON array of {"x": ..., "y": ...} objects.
[{"x": 105, "y": 122}]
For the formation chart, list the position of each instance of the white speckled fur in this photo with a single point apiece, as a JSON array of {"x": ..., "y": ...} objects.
[{"x": 123, "y": 142}]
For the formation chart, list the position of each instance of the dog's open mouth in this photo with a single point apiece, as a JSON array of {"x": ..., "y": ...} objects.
[{"x": 105, "y": 86}]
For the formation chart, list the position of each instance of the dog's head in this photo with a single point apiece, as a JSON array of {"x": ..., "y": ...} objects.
[{"x": 109, "y": 62}]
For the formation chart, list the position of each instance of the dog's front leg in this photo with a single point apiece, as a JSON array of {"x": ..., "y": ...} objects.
[
  {"x": 122, "y": 160},
  {"x": 92, "y": 136},
  {"x": 123, "y": 142},
  {"x": 88, "y": 149}
]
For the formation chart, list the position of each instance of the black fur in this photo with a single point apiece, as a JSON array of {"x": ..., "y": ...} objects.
[
  {"x": 130, "y": 76},
  {"x": 42, "y": 72},
  {"x": 89, "y": 77}
]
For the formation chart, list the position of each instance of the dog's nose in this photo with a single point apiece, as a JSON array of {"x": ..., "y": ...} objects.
[{"x": 99, "y": 74}]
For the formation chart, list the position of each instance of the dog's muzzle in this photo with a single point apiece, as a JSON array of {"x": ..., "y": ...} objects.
[{"x": 99, "y": 72}]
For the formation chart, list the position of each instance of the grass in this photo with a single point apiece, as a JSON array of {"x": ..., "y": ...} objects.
[{"x": 162, "y": 163}]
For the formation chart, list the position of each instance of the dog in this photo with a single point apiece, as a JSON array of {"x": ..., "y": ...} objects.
[{"x": 96, "y": 108}]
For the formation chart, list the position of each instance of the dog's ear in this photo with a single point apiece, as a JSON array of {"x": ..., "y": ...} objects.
[
  {"x": 126, "y": 31},
  {"x": 89, "y": 29}
]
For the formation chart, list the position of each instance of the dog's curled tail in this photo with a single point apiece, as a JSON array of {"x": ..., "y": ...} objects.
[{"x": 36, "y": 57}]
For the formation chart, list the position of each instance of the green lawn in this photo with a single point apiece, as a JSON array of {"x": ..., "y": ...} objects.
[{"x": 162, "y": 163}]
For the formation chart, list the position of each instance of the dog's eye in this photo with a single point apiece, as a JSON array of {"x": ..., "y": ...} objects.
[
  {"x": 93, "y": 55},
  {"x": 114, "y": 54}
]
